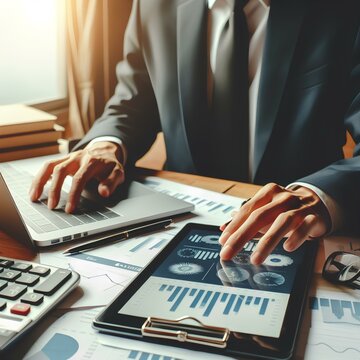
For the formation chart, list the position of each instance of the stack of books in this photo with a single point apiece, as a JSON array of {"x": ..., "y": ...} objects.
[{"x": 27, "y": 132}]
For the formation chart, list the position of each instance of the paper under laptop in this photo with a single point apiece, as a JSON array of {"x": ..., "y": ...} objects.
[{"x": 132, "y": 204}]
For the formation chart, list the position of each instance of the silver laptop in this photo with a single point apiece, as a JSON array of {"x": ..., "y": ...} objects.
[{"x": 132, "y": 203}]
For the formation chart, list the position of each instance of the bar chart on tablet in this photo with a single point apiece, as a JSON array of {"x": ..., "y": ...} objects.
[
  {"x": 243, "y": 310},
  {"x": 207, "y": 300}
]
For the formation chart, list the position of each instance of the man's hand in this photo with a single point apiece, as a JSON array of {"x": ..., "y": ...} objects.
[
  {"x": 101, "y": 161},
  {"x": 275, "y": 212}
]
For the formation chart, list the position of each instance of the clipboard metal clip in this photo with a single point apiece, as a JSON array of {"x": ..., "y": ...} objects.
[{"x": 184, "y": 332}]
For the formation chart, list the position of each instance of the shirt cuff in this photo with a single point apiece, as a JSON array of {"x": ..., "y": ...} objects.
[
  {"x": 335, "y": 212},
  {"x": 112, "y": 139}
]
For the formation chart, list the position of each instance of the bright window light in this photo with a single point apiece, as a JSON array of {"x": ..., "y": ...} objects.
[{"x": 32, "y": 55}]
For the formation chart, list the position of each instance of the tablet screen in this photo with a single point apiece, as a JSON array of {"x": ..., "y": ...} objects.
[{"x": 193, "y": 281}]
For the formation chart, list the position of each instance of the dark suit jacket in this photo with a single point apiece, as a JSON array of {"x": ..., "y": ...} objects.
[{"x": 309, "y": 93}]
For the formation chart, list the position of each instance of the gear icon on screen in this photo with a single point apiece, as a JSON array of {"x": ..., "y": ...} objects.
[
  {"x": 187, "y": 253},
  {"x": 233, "y": 275},
  {"x": 241, "y": 259},
  {"x": 269, "y": 279},
  {"x": 278, "y": 260},
  {"x": 210, "y": 239},
  {"x": 186, "y": 269}
]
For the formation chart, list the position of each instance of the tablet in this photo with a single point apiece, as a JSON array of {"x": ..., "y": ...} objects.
[{"x": 187, "y": 296}]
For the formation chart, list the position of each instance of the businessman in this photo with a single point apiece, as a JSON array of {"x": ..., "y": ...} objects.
[{"x": 257, "y": 91}]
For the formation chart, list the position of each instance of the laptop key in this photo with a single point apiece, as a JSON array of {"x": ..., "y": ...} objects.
[
  {"x": 97, "y": 216},
  {"x": 110, "y": 214},
  {"x": 53, "y": 282},
  {"x": 85, "y": 219},
  {"x": 72, "y": 220},
  {"x": 48, "y": 227}
]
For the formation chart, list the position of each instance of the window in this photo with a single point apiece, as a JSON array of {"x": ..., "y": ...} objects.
[{"x": 32, "y": 43}]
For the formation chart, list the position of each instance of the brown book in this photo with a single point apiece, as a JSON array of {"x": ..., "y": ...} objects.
[
  {"x": 20, "y": 118},
  {"x": 35, "y": 138},
  {"x": 23, "y": 152}
]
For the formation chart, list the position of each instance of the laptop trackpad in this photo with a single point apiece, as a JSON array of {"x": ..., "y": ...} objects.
[{"x": 128, "y": 190}]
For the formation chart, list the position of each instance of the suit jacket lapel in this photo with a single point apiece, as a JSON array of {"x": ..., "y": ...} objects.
[
  {"x": 192, "y": 71},
  {"x": 283, "y": 28}
]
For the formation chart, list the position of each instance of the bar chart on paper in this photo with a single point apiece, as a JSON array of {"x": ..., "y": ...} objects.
[
  {"x": 335, "y": 323},
  {"x": 150, "y": 242},
  {"x": 336, "y": 310},
  {"x": 206, "y": 202},
  {"x": 244, "y": 310}
]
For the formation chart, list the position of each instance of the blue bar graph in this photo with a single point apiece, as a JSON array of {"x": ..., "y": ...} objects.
[
  {"x": 173, "y": 295},
  {"x": 141, "y": 245},
  {"x": 197, "y": 299},
  {"x": 216, "y": 207},
  {"x": 229, "y": 304},
  {"x": 264, "y": 306},
  {"x": 140, "y": 355},
  {"x": 208, "y": 300},
  {"x": 149, "y": 241},
  {"x": 336, "y": 310},
  {"x": 158, "y": 244},
  {"x": 179, "y": 299},
  {"x": 248, "y": 300},
  {"x": 228, "y": 209},
  {"x": 212, "y": 304},
  {"x": 238, "y": 303}
]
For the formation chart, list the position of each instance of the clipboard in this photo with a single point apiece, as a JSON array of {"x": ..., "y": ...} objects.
[{"x": 187, "y": 297}]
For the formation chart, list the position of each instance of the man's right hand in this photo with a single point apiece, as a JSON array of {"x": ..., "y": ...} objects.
[{"x": 100, "y": 160}]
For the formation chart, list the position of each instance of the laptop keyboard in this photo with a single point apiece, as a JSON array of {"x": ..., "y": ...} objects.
[{"x": 38, "y": 216}]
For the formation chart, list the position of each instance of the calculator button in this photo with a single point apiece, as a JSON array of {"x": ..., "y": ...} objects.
[
  {"x": 6, "y": 263},
  {"x": 13, "y": 291},
  {"x": 21, "y": 266},
  {"x": 2, "y": 305},
  {"x": 13, "y": 323},
  {"x": 40, "y": 270},
  {"x": 28, "y": 279},
  {"x": 21, "y": 309},
  {"x": 10, "y": 275},
  {"x": 32, "y": 298},
  {"x": 53, "y": 282},
  {"x": 3, "y": 284}
]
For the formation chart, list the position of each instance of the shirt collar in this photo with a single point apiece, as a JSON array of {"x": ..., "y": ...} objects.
[{"x": 265, "y": 3}]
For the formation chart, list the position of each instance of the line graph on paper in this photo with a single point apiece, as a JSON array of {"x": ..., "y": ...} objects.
[
  {"x": 99, "y": 284},
  {"x": 108, "y": 279}
]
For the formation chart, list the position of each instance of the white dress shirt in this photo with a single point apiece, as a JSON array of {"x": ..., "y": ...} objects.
[{"x": 257, "y": 13}]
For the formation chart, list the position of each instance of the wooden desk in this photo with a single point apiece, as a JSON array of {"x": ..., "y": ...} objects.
[{"x": 11, "y": 248}]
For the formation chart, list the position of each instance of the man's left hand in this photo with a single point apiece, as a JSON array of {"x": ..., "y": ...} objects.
[{"x": 274, "y": 213}]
